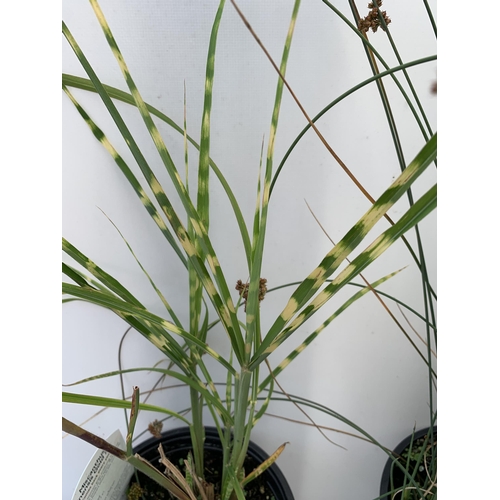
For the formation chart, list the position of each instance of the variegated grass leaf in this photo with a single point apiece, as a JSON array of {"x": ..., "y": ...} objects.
[
  {"x": 288, "y": 359},
  {"x": 257, "y": 213},
  {"x": 197, "y": 222},
  {"x": 203, "y": 208},
  {"x": 76, "y": 276},
  {"x": 258, "y": 247},
  {"x": 203, "y": 169},
  {"x": 242, "y": 429},
  {"x": 304, "y": 112},
  {"x": 224, "y": 307},
  {"x": 120, "y": 95},
  {"x": 145, "y": 200},
  {"x": 360, "y": 285},
  {"x": 111, "y": 286},
  {"x": 265, "y": 404},
  {"x": 333, "y": 153},
  {"x": 128, "y": 309},
  {"x": 351, "y": 240},
  {"x": 377, "y": 296},
  {"x": 264, "y": 465},
  {"x": 413, "y": 216},
  {"x": 105, "y": 278},
  {"x": 427, "y": 289}
]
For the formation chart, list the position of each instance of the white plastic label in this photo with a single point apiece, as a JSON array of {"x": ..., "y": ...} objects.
[{"x": 106, "y": 477}]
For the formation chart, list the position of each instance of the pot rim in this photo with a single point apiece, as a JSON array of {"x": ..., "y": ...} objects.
[
  {"x": 277, "y": 480},
  {"x": 386, "y": 474}
]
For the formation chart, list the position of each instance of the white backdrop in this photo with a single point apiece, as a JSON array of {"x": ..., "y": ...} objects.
[{"x": 361, "y": 366}]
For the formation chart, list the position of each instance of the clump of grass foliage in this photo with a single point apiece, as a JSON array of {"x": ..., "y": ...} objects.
[{"x": 182, "y": 214}]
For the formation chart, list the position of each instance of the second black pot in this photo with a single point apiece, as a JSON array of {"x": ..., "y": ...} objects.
[
  {"x": 397, "y": 475},
  {"x": 177, "y": 443}
]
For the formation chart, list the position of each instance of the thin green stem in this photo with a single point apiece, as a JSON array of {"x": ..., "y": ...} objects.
[{"x": 336, "y": 101}]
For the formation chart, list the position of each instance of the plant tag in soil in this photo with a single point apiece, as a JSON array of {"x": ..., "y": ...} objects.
[{"x": 106, "y": 477}]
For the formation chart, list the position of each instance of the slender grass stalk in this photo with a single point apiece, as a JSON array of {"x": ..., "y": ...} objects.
[
  {"x": 427, "y": 291},
  {"x": 371, "y": 50},
  {"x": 339, "y": 99}
]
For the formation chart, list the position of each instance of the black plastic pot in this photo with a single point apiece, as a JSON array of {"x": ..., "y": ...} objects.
[
  {"x": 385, "y": 484},
  {"x": 176, "y": 444}
]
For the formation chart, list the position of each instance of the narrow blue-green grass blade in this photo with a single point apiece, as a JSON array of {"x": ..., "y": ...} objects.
[
  {"x": 352, "y": 239},
  {"x": 311, "y": 124},
  {"x": 328, "y": 411},
  {"x": 383, "y": 95},
  {"x": 370, "y": 47},
  {"x": 431, "y": 17},
  {"x": 341, "y": 98},
  {"x": 409, "y": 82},
  {"x": 146, "y": 201},
  {"x": 126, "y": 308},
  {"x": 86, "y": 84},
  {"x": 422, "y": 207},
  {"x": 84, "y": 399},
  {"x": 304, "y": 112}
]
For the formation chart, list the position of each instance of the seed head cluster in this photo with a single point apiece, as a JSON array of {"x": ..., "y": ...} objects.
[
  {"x": 372, "y": 20},
  {"x": 243, "y": 290},
  {"x": 155, "y": 428}
]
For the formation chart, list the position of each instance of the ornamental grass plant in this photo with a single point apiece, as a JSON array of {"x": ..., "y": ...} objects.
[{"x": 252, "y": 214}]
